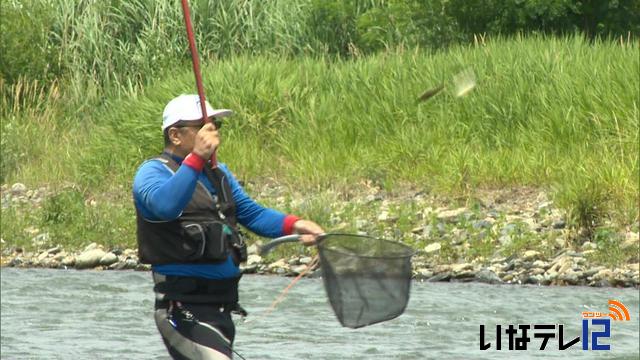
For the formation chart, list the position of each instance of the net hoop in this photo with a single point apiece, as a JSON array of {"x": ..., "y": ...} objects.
[{"x": 410, "y": 252}]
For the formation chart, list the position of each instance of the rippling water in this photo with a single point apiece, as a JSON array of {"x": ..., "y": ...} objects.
[{"x": 56, "y": 314}]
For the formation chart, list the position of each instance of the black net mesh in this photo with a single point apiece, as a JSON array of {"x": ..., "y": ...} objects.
[{"x": 367, "y": 279}]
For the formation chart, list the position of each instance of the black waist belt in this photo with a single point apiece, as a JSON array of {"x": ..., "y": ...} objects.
[{"x": 196, "y": 290}]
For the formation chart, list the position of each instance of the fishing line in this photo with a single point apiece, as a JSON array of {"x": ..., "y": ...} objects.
[{"x": 285, "y": 291}]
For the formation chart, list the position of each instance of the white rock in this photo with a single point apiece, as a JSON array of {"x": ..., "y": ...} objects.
[
  {"x": 278, "y": 264},
  {"x": 531, "y": 224},
  {"x": 298, "y": 269},
  {"x": 54, "y": 250},
  {"x": 505, "y": 240},
  {"x": 60, "y": 256},
  {"x": 603, "y": 274},
  {"x": 69, "y": 260},
  {"x": 18, "y": 188},
  {"x": 252, "y": 249},
  {"x": 537, "y": 271},
  {"x": 631, "y": 240},
  {"x": 90, "y": 247},
  {"x": 531, "y": 255},
  {"x": 545, "y": 205},
  {"x": 130, "y": 252},
  {"x": 432, "y": 247},
  {"x": 108, "y": 259},
  {"x": 540, "y": 264},
  {"x": 89, "y": 259},
  {"x": 383, "y": 216},
  {"x": 461, "y": 267},
  {"x": 43, "y": 255},
  {"x": 305, "y": 260},
  {"x": 254, "y": 259},
  {"x": 451, "y": 215},
  {"x": 418, "y": 230},
  {"x": 425, "y": 273},
  {"x": 278, "y": 267},
  {"x": 566, "y": 264},
  {"x": 361, "y": 223}
]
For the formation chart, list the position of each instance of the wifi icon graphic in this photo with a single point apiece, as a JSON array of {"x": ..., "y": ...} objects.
[{"x": 618, "y": 311}]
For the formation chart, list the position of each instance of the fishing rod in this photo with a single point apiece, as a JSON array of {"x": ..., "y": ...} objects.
[{"x": 196, "y": 70}]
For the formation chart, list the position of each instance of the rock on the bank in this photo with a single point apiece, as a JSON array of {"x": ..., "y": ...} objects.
[
  {"x": 18, "y": 188},
  {"x": 432, "y": 247},
  {"x": 423, "y": 273},
  {"x": 278, "y": 267},
  {"x": 631, "y": 240},
  {"x": 531, "y": 255},
  {"x": 68, "y": 260},
  {"x": 305, "y": 260},
  {"x": 451, "y": 215},
  {"x": 487, "y": 276},
  {"x": 252, "y": 249},
  {"x": 108, "y": 259},
  {"x": 299, "y": 269},
  {"x": 90, "y": 259},
  {"x": 254, "y": 259}
]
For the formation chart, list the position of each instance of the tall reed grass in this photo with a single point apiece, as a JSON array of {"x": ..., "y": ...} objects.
[{"x": 119, "y": 45}]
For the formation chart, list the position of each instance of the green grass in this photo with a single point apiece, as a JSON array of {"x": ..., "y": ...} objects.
[
  {"x": 560, "y": 114},
  {"x": 546, "y": 112},
  {"x": 72, "y": 218}
]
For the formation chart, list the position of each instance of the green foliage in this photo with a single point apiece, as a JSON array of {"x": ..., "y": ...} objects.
[
  {"x": 589, "y": 203},
  {"x": 608, "y": 250},
  {"x": 521, "y": 241},
  {"x": 334, "y": 24},
  {"x": 122, "y": 45},
  {"x": 594, "y": 18},
  {"x": 426, "y": 24},
  {"x": 70, "y": 218},
  {"x": 546, "y": 112},
  {"x": 12, "y": 152},
  {"x": 25, "y": 51},
  {"x": 63, "y": 208}
]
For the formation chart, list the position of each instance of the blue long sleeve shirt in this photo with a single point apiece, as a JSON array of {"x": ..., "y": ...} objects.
[{"x": 161, "y": 195}]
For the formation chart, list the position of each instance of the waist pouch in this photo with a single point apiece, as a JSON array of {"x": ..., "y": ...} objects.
[
  {"x": 212, "y": 241},
  {"x": 196, "y": 290}
]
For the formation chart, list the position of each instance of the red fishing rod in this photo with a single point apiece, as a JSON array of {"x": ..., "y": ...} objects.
[{"x": 196, "y": 70}]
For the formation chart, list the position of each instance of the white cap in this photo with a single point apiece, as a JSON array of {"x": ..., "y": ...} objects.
[{"x": 187, "y": 107}]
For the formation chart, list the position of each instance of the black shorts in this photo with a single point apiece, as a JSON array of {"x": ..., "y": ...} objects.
[{"x": 195, "y": 331}]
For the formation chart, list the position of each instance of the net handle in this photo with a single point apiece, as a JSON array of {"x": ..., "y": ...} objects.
[{"x": 266, "y": 248}]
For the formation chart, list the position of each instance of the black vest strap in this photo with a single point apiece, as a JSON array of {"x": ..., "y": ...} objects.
[{"x": 225, "y": 202}]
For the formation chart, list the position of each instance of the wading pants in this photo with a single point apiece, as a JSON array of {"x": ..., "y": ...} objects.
[{"x": 195, "y": 331}]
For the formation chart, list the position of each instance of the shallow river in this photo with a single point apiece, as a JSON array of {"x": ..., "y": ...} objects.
[{"x": 57, "y": 314}]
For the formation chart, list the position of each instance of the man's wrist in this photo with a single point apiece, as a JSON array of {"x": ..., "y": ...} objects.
[
  {"x": 194, "y": 161},
  {"x": 288, "y": 224}
]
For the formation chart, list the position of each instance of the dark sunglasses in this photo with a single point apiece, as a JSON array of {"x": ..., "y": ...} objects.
[{"x": 216, "y": 122}]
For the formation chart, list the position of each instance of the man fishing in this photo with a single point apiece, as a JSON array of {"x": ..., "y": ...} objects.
[{"x": 187, "y": 217}]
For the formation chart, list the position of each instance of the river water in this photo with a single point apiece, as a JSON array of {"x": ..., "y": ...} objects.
[{"x": 58, "y": 314}]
